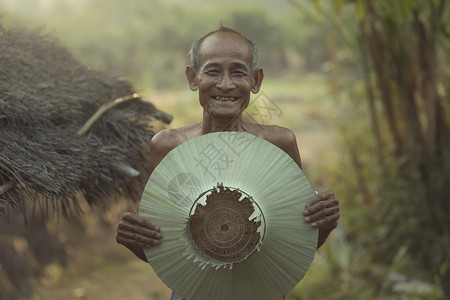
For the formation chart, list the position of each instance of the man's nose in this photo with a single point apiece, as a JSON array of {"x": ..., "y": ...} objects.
[{"x": 225, "y": 82}]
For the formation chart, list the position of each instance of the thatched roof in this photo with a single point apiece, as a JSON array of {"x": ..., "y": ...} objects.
[{"x": 46, "y": 155}]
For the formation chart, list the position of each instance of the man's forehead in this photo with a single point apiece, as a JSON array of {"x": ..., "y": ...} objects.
[{"x": 226, "y": 44}]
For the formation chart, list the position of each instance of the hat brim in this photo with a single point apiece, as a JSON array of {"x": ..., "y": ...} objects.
[{"x": 277, "y": 185}]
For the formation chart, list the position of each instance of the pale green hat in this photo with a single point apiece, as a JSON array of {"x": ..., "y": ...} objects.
[{"x": 230, "y": 208}]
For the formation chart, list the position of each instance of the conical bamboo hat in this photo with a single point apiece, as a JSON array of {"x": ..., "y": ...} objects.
[{"x": 230, "y": 208}]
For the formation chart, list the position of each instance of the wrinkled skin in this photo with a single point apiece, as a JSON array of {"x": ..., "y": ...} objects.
[{"x": 224, "y": 81}]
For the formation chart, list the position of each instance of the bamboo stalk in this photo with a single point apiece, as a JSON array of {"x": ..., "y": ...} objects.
[
  {"x": 371, "y": 98},
  {"x": 334, "y": 64},
  {"x": 427, "y": 82},
  {"x": 104, "y": 108},
  {"x": 362, "y": 185},
  {"x": 382, "y": 80},
  {"x": 6, "y": 187}
]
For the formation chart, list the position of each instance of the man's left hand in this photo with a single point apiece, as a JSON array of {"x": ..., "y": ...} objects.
[{"x": 322, "y": 211}]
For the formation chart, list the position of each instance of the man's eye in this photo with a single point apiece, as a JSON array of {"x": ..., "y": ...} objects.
[
  {"x": 239, "y": 74},
  {"x": 212, "y": 72}
]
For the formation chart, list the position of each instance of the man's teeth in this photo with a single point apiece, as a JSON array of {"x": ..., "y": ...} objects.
[{"x": 223, "y": 98}]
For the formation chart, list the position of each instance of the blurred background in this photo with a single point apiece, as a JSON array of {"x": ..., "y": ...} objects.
[{"x": 363, "y": 84}]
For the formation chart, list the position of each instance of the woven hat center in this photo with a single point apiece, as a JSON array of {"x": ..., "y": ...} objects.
[{"x": 221, "y": 229}]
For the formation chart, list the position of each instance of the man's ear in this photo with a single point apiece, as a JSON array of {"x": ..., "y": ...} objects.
[
  {"x": 258, "y": 77},
  {"x": 191, "y": 75}
]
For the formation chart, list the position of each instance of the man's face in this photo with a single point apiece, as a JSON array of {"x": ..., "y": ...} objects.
[{"x": 224, "y": 78}]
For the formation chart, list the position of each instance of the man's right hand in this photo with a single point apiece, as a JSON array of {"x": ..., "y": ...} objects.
[{"x": 136, "y": 233}]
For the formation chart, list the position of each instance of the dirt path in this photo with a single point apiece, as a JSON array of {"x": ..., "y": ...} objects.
[{"x": 114, "y": 274}]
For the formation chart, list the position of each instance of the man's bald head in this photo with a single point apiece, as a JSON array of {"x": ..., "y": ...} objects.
[{"x": 196, "y": 47}]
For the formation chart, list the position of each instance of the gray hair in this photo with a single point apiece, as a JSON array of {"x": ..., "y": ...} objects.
[{"x": 195, "y": 49}]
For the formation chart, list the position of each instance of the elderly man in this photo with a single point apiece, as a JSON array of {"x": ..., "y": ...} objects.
[{"x": 224, "y": 71}]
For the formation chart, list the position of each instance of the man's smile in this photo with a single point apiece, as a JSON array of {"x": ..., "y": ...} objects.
[{"x": 225, "y": 98}]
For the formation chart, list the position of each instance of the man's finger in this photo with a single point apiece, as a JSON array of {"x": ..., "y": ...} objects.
[
  {"x": 135, "y": 238},
  {"x": 321, "y": 213},
  {"x": 319, "y": 197},
  {"x": 138, "y": 238},
  {"x": 137, "y": 229},
  {"x": 327, "y": 222},
  {"x": 138, "y": 220},
  {"x": 330, "y": 201},
  {"x": 136, "y": 242}
]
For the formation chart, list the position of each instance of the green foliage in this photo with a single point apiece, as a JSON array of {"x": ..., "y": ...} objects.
[{"x": 393, "y": 62}]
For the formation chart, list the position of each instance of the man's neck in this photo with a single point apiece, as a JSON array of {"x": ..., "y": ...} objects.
[{"x": 211, "y": 124}]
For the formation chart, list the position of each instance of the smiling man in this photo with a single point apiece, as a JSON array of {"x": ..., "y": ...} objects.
[{"x": 225, "y": 72}]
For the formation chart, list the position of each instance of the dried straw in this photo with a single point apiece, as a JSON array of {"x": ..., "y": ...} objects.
[{"x": 46, "y": 97}]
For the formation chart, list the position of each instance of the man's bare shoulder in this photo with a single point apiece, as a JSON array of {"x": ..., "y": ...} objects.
[
  {"x": 168, "y": 139},
  {"x": 277, "y": 135}
]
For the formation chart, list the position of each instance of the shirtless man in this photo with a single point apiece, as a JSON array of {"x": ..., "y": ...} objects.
[{"x": 224, "y": 71}]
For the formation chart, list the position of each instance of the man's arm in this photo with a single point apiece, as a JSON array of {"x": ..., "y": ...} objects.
[
  {"x": 323, "y": 210},
  {"x": 137, "y": 233},
  {"x": 133, "y": 231},
  {"x": 285, "y": 139}
]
